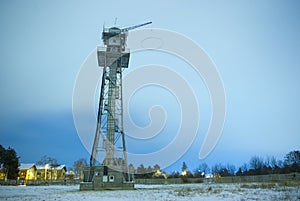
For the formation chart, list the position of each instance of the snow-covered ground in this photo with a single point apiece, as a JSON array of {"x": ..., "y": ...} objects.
[{"x": 180, "y": 192}]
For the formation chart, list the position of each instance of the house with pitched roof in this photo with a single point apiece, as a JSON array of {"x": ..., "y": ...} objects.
[
  {"x": 30, "y": 171},
  {"x": 48, "y": 172},
  {"x": 59, "y": 172},
  {"x": 27, "y": 171}
]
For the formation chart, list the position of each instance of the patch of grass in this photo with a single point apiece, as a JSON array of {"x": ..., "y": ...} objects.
[
  {"x": 288, "y": 183},
  {"x": 249, "y": 186},
  {"x": 236, "y": 190},
  {"x": 260, "y": 185},
  {"x": 271, "y": 184},
  {"x": 216, "y": 191},
  {"x": 198, "y": 181},
  {"x": 267, "y": 185},
  {"x": 183, "y": 191}
]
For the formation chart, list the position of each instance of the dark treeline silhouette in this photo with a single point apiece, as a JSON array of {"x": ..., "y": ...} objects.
[
  {"x": 259, "y": 166},
  {"x": 149, "y": 172},
  {"x": 256, "y": 166},
  {"x": 9, "y": 163}
]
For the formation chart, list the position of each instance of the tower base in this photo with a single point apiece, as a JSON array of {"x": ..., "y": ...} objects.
[{"x": 104, "y": 178}]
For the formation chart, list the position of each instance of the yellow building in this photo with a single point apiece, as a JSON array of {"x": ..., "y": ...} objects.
[
  {"x": 3, "y": 174},
  {"x": 70, "y": 174},
  {"x": 30, "y": 171},
  {"x": 27, "y": 171},
  {"x": 42, "y": 172},
  {"x": 46, "y": 172},
  {"x": 59, "y": 172}
]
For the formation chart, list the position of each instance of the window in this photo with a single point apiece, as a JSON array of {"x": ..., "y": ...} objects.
[
  {"x": 111, "y": 178},
  {"x": 104, "y": 178}
]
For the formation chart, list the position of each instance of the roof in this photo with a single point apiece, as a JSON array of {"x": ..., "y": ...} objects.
[
  {"x": 43, "y": 167},
  {"x": 26, "y": 166},
  {"x": 40, "y": 167},
  {"x": 60, "y": 167}
]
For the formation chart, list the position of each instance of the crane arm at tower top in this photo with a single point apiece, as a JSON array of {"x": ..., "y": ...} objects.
[
  {"x": 134, "y": 27},
  {"x": 113, "y": 31}
]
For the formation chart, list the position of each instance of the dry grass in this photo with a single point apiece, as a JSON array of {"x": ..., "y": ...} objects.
[
  {"x": 259, "y": 185},
  {"x": 183, "y": 191}
]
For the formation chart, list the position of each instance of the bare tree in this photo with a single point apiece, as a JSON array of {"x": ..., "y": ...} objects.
[
  {"x": 256, "y": 163},
  {"x": 271, "y": 162},
  {"x": 149, "y": 169},
  {"x": 222, "y": 170},
  {"x": 48, "y": 160},
  {"x": 78, "y": 167},
  {"x": 292, "y": 158},
  {"x": 280, "y": 163},
  {"x": 52, "y": 162},
  {"x": 141, "y": 169},
  {"x": 131, "y": 168},
  {"x": 156, "y": 167},
  {"x": 203, "y": 167},
  {"x": 219, "y": 169},
  {"x": 244, "y": 167},
  {"x": 231, "y": 169}
]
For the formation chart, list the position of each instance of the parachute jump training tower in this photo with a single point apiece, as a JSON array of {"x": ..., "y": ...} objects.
[{"x": 112, "y": 172}]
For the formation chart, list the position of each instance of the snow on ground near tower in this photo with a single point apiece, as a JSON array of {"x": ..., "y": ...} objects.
[{"x": 179, "y": 192}]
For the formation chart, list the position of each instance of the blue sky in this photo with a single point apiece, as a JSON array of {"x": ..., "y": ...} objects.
[{"x": 254, "y": 44}]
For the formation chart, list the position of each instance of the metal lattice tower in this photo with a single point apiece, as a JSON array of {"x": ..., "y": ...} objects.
[{"x": 109, "y": 136}]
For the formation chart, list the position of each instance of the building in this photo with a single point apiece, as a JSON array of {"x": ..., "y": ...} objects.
[
  {"x": 48, "y": 172},
  {"x": 30, "y": 171},
  {"x": 42, "y": 172},
  {"x": 27, "y": 171},
  {"x": 59, "y": 172},
  {"x": 3, "y": 174},
  {"x": 70, "y": 175}
]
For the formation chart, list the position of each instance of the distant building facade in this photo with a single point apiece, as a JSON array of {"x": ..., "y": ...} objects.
[
  {"x": 27, "y": 171},
  {"x": 3, "y": 174},
  {"x": 45, "y": 172},
  {"x": 58, "y": 173}
]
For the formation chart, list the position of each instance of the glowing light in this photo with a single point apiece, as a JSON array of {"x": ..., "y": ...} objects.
[{"x": 158, "y": 173}]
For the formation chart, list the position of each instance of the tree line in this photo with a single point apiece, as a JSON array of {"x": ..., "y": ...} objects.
[
  {"x": 256, "y": 166},
  {"x": 260, "y": 166},
  {"x": 9, "y": 163}
]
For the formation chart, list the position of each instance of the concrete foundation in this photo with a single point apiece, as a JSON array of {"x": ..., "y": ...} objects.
[{"x": 105, "y": 178}]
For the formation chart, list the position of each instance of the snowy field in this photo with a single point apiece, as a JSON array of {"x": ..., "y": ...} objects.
[{"x": 180, "y": 192}]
